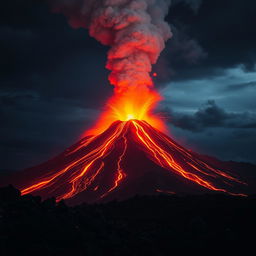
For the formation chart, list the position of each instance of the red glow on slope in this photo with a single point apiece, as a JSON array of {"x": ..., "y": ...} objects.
[
  {"x": 165, "y": 159},
  {"x": 84, "y": 173},
  {"x": 86, "y": 163},
  {"x": 121, "y": 174},
  {"x": 103, "y": 163},
  {"x": 165, "y": 192}
]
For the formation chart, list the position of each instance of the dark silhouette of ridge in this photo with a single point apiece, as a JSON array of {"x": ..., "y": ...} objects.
[{"x": 142, "y": 225}]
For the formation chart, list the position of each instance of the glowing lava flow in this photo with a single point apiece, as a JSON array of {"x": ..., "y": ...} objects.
[
  {"x": 77, "y": 176},
  {"x": 129, "y": 138},
  {"x": 165, "y": 159},
  {"x": 89, "y": 162},
  {"x": 121, "y": 174}
]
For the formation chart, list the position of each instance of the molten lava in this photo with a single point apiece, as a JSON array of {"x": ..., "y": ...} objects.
[
  {"x": 129, "y": 152},
  {"x": 133, "y": 103},
  {"x": 105, "y": 165}
]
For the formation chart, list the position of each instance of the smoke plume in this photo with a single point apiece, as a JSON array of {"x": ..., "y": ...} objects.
[{"x": 135, "y": 30}]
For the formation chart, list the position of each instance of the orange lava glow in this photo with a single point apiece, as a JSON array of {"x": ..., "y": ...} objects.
[
  {"x": 136, "y": 103},
  {"x": 83, "y": 173}
]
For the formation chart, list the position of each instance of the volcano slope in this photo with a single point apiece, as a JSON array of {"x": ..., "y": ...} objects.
[{"x": 129, "y": 158}]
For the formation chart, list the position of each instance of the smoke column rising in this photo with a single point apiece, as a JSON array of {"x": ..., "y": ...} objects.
[
  {"x": 134, "y": 29},
  {"x": 136, "y": 32}
]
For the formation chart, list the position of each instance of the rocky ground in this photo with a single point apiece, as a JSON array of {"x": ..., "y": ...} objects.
[{"x": 150, "y": 225}]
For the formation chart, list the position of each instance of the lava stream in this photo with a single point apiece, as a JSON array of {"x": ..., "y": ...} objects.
[{"x": 89, "y": 161}]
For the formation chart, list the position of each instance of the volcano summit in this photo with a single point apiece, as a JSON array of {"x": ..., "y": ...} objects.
[
  {"x": 129, "y": 158},
  {"x": 129, "y": 154}
]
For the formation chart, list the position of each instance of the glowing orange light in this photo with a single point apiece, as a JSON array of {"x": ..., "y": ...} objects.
[
  {"x": 136, "y": 103},
  {"x": 83, "y": 172},
  {"x": 130, "y": 117}
]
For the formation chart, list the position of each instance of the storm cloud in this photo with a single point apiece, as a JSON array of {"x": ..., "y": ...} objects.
[{"x": 211, "y": 115}]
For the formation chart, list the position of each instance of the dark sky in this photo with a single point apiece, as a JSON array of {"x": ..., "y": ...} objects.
[{"x": 53, "y": 82}]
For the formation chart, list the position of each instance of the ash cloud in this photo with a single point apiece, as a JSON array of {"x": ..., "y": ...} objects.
[
  {"x": 134, "y": 29},
  {"x": 185, "y": 49},
  {"x": 182, "y": 51}
]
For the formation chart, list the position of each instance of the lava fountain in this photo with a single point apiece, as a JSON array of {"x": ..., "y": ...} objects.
[{"x": 127, "y": 152}]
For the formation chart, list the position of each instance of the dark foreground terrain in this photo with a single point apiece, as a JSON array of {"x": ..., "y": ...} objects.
[{"x": 157, "y": 225}]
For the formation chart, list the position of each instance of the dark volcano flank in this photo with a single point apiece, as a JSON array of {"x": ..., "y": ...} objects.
[{"x": 129, "y": 158}]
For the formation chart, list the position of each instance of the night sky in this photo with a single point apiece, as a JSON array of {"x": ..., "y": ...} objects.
[{"x": 53, "y": 82}]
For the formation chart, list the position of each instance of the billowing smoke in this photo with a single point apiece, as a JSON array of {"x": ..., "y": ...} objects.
[{"x": 134, "y": 29}]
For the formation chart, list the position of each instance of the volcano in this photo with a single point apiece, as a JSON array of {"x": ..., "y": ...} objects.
[{"x": 129, "y": 158}]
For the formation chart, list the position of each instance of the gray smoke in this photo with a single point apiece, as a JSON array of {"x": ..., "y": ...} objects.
[{"x": 134, "y": 29}]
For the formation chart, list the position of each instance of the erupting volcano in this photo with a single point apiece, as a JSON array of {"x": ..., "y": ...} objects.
[
  {"x": 127, "y": 152},
  {"x": 129, "y": 158}
]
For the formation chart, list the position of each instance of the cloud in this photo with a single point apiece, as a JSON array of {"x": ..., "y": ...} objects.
[
  {"x": 240, "y": 86},
  {"x": 193, "y": 4},
  {"x": 35, "y": 128},
  {"x": 182, "y": 51},
  {"x": 50, "y": 74},
  {"x": 13, "y": 98},
  {"x": 211, "y": 115},
  {"x": 226, "y": 45}
]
